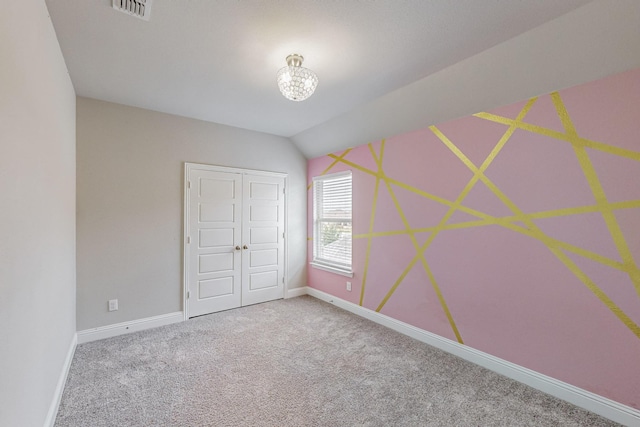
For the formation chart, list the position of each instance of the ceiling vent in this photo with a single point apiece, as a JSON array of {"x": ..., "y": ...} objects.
[{"x": 138, "y": 8}]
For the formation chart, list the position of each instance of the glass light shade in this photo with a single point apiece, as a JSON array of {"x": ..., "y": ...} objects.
[{"x": 296, "y": 82}]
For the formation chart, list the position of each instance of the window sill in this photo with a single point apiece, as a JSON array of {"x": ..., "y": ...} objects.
[{"x": 330, "y": 269}]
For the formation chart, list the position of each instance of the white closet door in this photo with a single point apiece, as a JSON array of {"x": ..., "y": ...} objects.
[
  {"x": 263, "y": 237},
  {"x": 215, "y": 255},
  {"x": 235, "y": 243}
]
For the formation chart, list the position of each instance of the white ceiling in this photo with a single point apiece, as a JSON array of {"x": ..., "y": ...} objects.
[{"x": 217, "y": 60}]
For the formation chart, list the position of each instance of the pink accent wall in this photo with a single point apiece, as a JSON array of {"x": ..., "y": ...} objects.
[{"x": 538, "y": 264}]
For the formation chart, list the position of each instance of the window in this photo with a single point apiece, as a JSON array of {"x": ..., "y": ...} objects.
[{"x": 332, "y": 222}]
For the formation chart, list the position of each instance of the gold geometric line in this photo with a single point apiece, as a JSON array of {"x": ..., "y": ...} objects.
[
  {"x": 410, "y": 188},
  {"x": 415, "y": 258},
  {"x": 456, "y": 226},
  {"x": 335, "y": 162},
  {"x": 552, "y": 242},
  {"x": 556, "y": 213},
  {"x": 374, "y": 155},
  {"x": 507, "y": 222},
  {"x": 608, "y": 302},
  {"x": 328, "y": 168},
  {"x": 369, "y": 241},
  {"x": 625, "y": 204},
  {"x": 507, "y": 135},
  {"x": 612, "y": 306},
  {"x": 441, "y": 299},
  {"x": 457, "y": 203},
  {"x": 579, "y": 210},
  {"x": 611, "y": 149},
  {"x": 354, "y": 165},
  {"x": 435, "y": 198},
  {"x": 371, "y": 223},
  {"x": 403, "y": 217},
  {"x": 425, "y": 265},
  {"x": 596, "y": 189},
  {"x": 533, "y": 228},
  {"x": 382, "y": 146},
  {"x": 383, "y": 143},
  {"x": 478, "y": 172},
  {"x": 399, "y": 280},
  {"x": 628, "y": 204}
]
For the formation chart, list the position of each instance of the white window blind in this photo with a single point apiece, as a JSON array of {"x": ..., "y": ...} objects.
[{"x": 332, "y": 196}]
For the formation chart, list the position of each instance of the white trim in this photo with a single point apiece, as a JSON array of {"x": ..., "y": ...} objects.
[
  {"x": 296, "y": 292},
  {"x": 217, "y": 168},
  {"x": 322, "y": 263},
  {"x": 285, "y": 267},
  {"x": 331, "y": 176},
  {"x": 116, "y": 329},
  {"x": 600, "y": 405},
  {"x": 331, "y": 269},
  {"x": 62, "y": 380},
  {"x": 185, "y": 249}
]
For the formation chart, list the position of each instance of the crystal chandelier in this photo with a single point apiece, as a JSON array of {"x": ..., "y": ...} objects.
[{"x": 296, "y": 82}]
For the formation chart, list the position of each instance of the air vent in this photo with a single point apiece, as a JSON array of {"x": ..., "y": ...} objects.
[{"x": 138, "y": 8}]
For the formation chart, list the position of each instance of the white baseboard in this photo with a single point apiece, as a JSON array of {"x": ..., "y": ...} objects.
[
  {"x": 600, "y": 405},
  {"x": 62, "y": 380},
  {"x": 114, "y": 330},
  {"x": 296, "y": 292}
]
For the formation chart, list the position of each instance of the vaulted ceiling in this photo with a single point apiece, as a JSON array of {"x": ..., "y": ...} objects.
[{"x": 217, "y": 60}]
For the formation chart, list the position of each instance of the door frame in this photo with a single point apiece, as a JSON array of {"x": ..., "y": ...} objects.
[{"x": 188, "y": 167}]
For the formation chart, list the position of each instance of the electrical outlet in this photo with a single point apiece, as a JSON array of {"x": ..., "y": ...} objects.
[
  {"x": 349, "y": 286},
  {"x": 113, "y": 305}
]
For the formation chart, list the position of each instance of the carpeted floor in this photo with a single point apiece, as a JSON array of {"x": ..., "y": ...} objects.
[{"x": 296, "y": 362}]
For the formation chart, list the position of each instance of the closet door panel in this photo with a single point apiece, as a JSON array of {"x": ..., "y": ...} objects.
[
  {"x": 215, "y": 230},
  {"x": 263, "y": 232}
]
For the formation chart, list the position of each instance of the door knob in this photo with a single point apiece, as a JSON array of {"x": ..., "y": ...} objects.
[
  {"x": 237, "y": 248},
  {"x": 245, "y": 247}
]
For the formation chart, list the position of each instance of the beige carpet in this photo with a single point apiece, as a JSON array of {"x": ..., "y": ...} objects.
[{"x": 297, "y": 362}]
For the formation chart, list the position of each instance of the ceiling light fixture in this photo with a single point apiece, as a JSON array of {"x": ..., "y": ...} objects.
[{"x": 296, "y": 82}]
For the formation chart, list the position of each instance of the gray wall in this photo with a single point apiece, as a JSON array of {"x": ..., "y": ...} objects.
[
  {"x": 130, "y": 170},
  {"x": 37, "y": 214}
]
